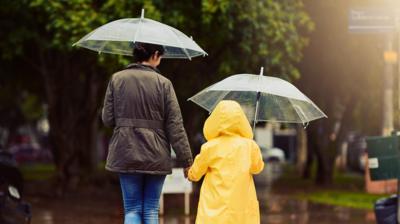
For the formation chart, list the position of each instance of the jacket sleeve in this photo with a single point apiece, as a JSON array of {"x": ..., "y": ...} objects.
[
  {"x": 200, "y": 165},
  {"x": 107, "y": 114},
  {"x": 257, "y": 163},
  {"x": 174, "y": 128}
]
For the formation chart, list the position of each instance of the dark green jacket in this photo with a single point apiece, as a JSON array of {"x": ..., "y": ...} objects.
[{"x": 142, "y": 107}]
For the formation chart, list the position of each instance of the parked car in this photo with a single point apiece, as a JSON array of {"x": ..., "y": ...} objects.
[
  {"x": 273, "y": 154},
  {"x": 30, "y": 153},
  {"x": 274, "y": 159}
]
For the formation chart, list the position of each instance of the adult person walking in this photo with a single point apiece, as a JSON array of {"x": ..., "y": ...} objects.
[{"x": 142, "y": 107}]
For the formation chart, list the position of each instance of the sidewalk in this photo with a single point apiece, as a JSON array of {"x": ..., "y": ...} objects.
[
  {"x": 106, "y": 209},
  {"x": 102, "y": 205}
]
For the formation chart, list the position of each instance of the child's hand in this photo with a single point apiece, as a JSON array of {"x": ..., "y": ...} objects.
[{"x": 185, "y": 171}]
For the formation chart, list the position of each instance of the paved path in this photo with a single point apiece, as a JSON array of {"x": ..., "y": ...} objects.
[
  {"x": 102, "y": 205},
  {"x": 275, "y": 209}
]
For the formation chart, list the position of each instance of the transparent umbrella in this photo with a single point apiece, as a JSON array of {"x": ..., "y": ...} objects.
[
  {"x": 263, "y": 98},
  {"x": 119, "y": 36}
]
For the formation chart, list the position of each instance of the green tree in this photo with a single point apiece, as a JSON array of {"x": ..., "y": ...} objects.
[
  {"x": 40, "y": 43},
  {"x": 240, "y": 36}
]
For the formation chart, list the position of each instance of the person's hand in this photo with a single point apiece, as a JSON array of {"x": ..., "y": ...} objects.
[{"x": 186, "y": 171}]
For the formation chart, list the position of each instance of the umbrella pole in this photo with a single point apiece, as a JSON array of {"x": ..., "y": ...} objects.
[
  {"x": 258, "y": 100},
  {"x": 256, "y": 111}
]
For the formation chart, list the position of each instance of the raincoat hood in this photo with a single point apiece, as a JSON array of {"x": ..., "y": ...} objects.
[{"x": 227, "y": 118}]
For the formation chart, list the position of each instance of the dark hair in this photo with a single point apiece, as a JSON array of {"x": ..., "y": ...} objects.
[{"x": 143, "y": 51}]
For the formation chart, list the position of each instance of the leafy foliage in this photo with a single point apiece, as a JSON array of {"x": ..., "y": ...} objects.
[
  {"x": 240, "y": 36},
  {"x": 258, "y": 33}
]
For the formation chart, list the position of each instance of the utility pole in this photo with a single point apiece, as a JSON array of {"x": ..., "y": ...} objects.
[
  {"x": 398, "y": 60},
  {"x": 390, "y": 58}
]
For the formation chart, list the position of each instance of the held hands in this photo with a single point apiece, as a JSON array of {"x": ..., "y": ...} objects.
[{"x": 185, "y": 171}]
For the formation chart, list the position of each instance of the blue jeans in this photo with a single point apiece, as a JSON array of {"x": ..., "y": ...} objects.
[{"x": 141, "y": 195}]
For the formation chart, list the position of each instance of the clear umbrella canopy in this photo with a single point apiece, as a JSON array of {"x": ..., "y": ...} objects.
[
  {"x": 119, "y": 36},
  {"x": 263, "y": 98}
]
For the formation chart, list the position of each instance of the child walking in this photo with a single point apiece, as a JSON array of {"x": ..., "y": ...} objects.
[{"x": 228, "y": 160}]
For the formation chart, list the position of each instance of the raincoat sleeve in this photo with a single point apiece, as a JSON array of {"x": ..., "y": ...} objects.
[
  {"x": 175, "y": 130},
  {"x": 257, "y": 163},
  {"x": 107, "y": 114},
  {"x": 200, "y": 165}
]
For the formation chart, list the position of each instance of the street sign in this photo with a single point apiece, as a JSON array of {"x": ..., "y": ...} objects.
[{"x": 373, "y": 20}]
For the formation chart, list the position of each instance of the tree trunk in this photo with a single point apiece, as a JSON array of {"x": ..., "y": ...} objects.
[
  {"x": 324, "y": 138},
  {"x": 322, "y": 150},
  {"x": 312, "y": 141},
  {"x": 326, "y": 154},
  {"x": 301, "y": 149},
  {"x": 73, "y": 97}
]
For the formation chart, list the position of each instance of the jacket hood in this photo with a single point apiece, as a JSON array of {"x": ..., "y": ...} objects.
[{"x": 227, "y": 118}]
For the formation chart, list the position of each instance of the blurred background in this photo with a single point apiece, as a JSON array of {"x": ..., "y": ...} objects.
[{"x": 51, "y": 97}]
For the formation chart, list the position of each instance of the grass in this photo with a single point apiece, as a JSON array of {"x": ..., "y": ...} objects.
[
  {"x": 347, "y": 189},
  {"x": 359, "y": 200},
  {"x": 45, "y": 171},
  {"x": 37, "y": 171}
]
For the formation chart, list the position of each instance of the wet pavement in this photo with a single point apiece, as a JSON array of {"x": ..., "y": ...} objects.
[
  {"x": 103, "y": 206},
  {"x": 275, "y": 209},
  {"x": 282, "y": 210}
]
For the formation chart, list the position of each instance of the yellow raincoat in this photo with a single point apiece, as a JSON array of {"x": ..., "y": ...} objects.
[{"x": 228, "y": 160}]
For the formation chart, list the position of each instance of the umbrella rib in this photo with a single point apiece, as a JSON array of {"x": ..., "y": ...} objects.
[
  {"x": 201, "y": 105},
  {"x": 312, "y": 103},
  {"x": 180, "y": 44},
  {"x": 308, "y": 117},
  {"x": 300, "y": 113},
  {"x": 219, "y": 98},
  {"x": 102, "y": 47}
]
